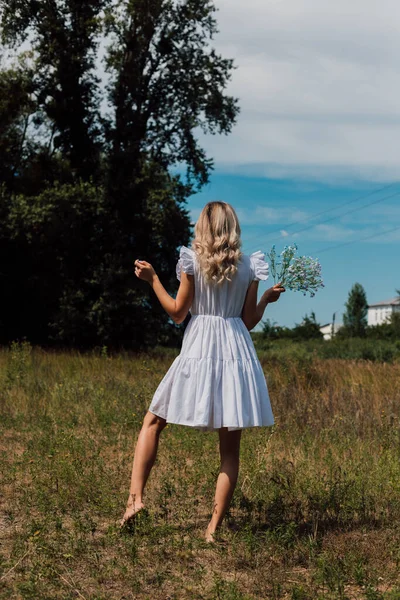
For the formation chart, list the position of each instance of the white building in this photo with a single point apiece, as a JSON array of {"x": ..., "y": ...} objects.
[
  {"x": 380, "y": 312},
  {"x": 326, "y": 330}
]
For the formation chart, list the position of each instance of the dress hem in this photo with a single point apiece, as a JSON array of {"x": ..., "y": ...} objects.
[{"x": 208, "y": 428}]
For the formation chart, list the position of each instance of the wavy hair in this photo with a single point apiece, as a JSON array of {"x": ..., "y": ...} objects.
[{"x": 217, "y": 242}]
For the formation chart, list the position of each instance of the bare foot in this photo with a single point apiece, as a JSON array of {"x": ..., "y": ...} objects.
[
  {"x": 210, "y": 536},
  {"x": 132, "y": 509}
]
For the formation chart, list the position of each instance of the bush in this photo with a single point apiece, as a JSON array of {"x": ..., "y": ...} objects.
[
  {"x": 386, "y": 331},
  {"x": 348, "y": 349},
  {"x": 308, "y": 329}
]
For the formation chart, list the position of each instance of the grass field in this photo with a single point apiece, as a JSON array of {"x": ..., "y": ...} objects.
[{"x": 316, "y": 513}]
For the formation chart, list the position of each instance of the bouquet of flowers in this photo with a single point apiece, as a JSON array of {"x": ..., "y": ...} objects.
[{"x": 296, "y": 273}]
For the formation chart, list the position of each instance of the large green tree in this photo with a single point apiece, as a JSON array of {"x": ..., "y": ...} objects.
[
  {"x": 141, "y": 159},
  {"x": 355, "y": 316},
  {"x": 166, "y": 85}
]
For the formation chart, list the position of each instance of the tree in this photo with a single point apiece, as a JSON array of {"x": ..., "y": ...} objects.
[
  {"x": 54, "y": 241},
  {"x": 355, "y": 316},
  {"x": 16, "y": 111},
  {"x": 125, "y": 311},
  {"x": 308, "y": 329},
  {"x": 395, "y": 325},
  {"x": 273, "y": 331},
  {"x": 165, "y": 85},
  {"x": 64, "y": 35}
]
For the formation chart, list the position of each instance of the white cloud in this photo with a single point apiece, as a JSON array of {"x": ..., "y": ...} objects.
[
  {"x": 341, "y": 233},
  {"x": 345, "y": 230},
  {"x": 260, "y": 215},
  {"x": 334, "y": 233},
  {"x": 386, "y": 213},
  {"x": 318, "y": 84}
]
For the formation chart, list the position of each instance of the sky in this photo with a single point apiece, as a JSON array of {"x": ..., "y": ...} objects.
[
  {"x": 319, "y": 129},
  {"x": 318, "y": 83}
]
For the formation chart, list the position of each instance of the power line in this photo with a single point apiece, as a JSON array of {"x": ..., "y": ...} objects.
[
  {"x": 323, "y": 212},
  {"x": 368, "y": 237},
  {"x": 348, "y": 212}
]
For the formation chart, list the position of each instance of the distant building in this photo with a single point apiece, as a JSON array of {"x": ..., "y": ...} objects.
[
  {"x": 380, "y": 312},
  {"x": 326, "y": 330}
]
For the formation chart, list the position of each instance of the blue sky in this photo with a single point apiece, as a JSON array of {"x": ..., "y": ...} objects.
[
  {"x": 266, "y": 206},
  {"x": 318, "y": 85}
]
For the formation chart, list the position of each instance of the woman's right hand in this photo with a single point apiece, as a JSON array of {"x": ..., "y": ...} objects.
[
  {"x": 273, "y": 293},
  {"x": 144, "y": 270}
]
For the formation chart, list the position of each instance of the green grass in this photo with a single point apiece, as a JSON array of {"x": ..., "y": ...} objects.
[
  {"x": 375, "y": 350},
  {"x": 315, "y": 515}
]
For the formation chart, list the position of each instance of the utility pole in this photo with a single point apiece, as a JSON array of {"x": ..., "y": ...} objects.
[{"x": 333, "y": 325}]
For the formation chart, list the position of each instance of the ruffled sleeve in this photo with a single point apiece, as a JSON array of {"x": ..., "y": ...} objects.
[
  {"x": 258, "y": 266},
  {"x": 185, "y": 262}
]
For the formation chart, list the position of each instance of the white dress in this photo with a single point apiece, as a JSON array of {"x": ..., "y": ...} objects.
[{"x": 216, "y": 380}]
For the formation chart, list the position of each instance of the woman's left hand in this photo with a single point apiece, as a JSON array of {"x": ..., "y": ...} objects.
[
  {"x": 273, "y": 294},
  {"x": 144, "y": 270}
]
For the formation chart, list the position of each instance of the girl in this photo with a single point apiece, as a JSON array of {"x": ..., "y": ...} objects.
[{"x": 217, "y": 381}]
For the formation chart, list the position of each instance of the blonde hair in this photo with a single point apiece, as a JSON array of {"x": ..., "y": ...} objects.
[{"x": 217, "y": 241}]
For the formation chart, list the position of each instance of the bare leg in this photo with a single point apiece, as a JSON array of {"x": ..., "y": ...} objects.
[
  {"x": 145, "y": 456},
  {"x": 229, "y": 445}
]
